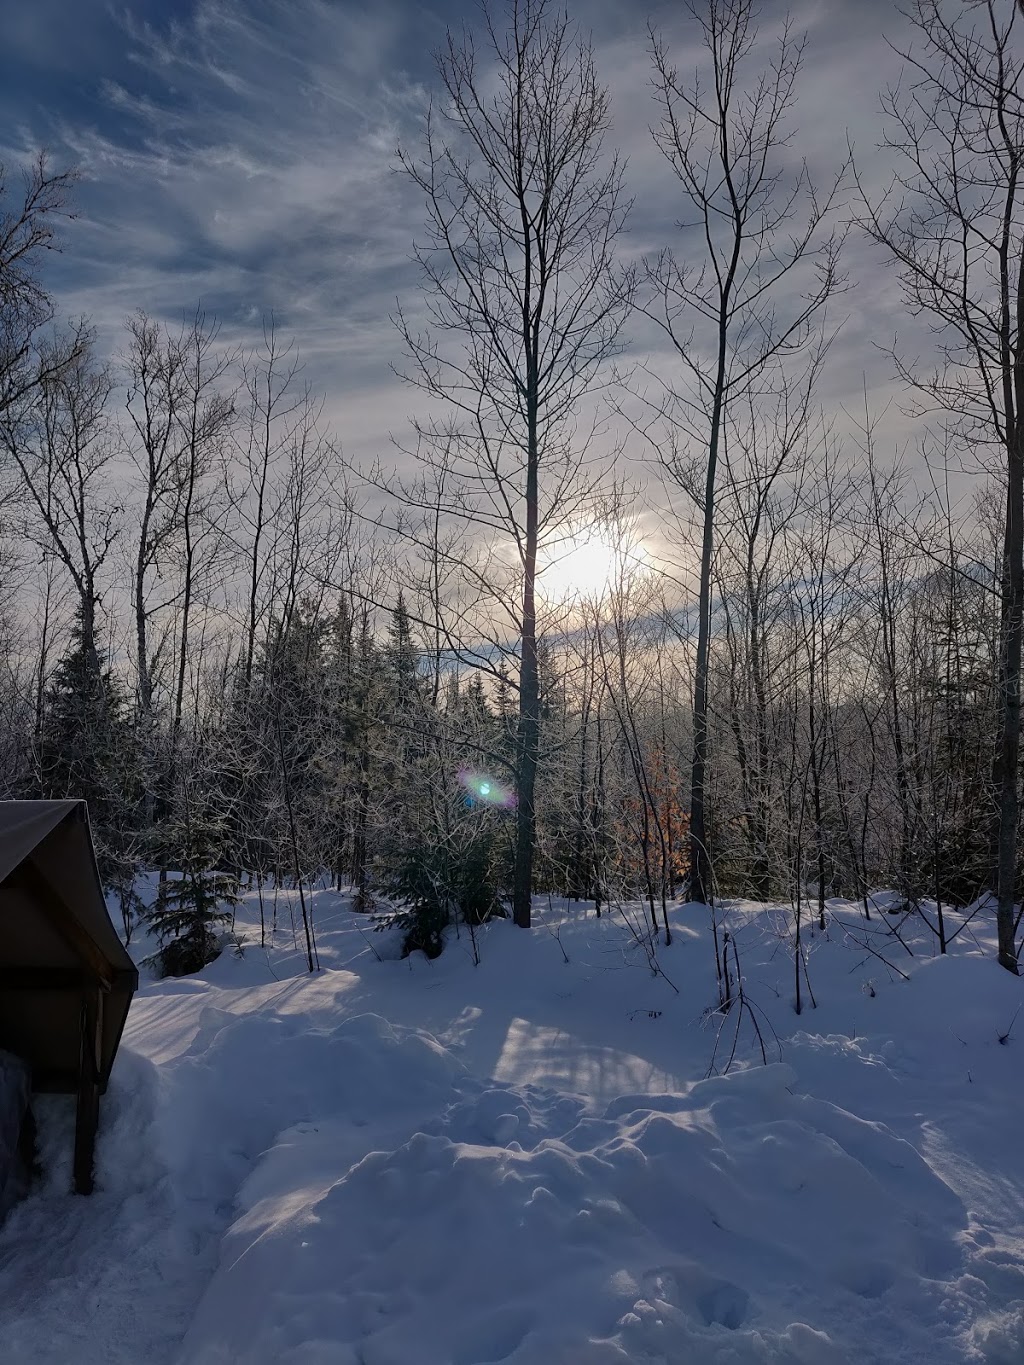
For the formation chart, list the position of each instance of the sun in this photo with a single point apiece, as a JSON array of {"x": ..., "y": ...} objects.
[{"x": 588, "y": 564}]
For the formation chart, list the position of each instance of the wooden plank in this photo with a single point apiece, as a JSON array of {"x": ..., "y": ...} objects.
[
  {"x": 52, "y": 1080},
  {"x": 88, "y": 1110},
  {"x": 34, "y": 883},
  {"x": 44, "y": 979}
]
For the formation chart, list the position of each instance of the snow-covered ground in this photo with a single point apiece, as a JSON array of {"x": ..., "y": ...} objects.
[{"x": 435, "y": 1163}]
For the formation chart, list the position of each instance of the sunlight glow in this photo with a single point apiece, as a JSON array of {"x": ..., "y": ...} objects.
[{"x": 589, "y": 564}]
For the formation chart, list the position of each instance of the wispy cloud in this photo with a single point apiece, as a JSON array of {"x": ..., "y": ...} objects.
[{"x": 239, "y": 152}]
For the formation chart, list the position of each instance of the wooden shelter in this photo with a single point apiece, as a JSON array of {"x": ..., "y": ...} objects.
[{"x": 66, "y": 980}]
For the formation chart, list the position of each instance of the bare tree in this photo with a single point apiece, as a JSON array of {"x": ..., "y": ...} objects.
[
  {"x": 206, "y": 415},
  {"x": 284, "y": 460},
  {"x": 153, "y": 365},
  {"x": 767, "y": 458},
  {"x": 27, "y": 233},
  {"x": 758, "y": 266},
  {"x": 953, "y": 223},
  {"x": 524, "y": 304},
  {"x": 62, "y": 448}
]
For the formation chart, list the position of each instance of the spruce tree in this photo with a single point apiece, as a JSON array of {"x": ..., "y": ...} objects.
[
  {"x": 191, "y": 908},
  {"x": 87, "y": 751}
]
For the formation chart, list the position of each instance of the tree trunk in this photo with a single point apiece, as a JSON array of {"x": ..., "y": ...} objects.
[
  {"x": 1009, "y": 739},
  {"x": 700, "y": 858},
  {"x": 529, "y": 694}
]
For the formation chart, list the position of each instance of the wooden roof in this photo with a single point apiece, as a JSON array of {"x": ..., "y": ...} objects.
[{"x": 57, "y": 943}]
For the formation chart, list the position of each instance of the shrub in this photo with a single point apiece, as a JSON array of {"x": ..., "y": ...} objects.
[
  {"x": 439, "y": 885},
  {"x": 186, "y": 918}
]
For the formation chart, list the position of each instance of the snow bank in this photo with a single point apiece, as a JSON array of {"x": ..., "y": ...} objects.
[
  {"x": 670, "y": 1228},
  {"x": 436, "y": 1163},
  {"x": 112, "y": 1269},
  {"x": 247, "y": 1077},
  {"x": 122, "y": 1270}
]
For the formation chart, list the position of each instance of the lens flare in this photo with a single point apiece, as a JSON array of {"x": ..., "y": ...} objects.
[{"x": 486, "y": 790}]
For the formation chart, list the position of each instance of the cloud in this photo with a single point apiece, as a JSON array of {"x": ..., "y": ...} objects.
[{"x": 238, "y": 153}]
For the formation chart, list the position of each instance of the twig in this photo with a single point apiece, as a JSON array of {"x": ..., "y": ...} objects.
[{"x": 868, "y": 948}]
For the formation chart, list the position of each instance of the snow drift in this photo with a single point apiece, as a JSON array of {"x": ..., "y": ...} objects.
[{"x": 412, "y": 1163}]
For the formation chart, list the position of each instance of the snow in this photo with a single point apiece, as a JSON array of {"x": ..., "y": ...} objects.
[{"x": 403, "y": 1162}]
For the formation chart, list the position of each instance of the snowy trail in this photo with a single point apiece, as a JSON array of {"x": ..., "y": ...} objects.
[
  {"x": 993, "y": 1240},
  {"x": 412, "y": 1163},
  {"x": 115, "y": 1277}
]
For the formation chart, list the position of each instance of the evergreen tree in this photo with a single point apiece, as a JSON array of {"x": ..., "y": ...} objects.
[
  {"x": 87, "y": 750},
  {"x": 445, "y": 874},
  {"x": 401, "y": 658},
  {"x": 191, "y": 908}
]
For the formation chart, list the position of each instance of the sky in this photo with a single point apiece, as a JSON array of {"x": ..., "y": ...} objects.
[{"x": 239, "y": 154}]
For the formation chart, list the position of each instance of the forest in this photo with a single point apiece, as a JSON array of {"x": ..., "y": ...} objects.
[{"x": 628, "y": 615}]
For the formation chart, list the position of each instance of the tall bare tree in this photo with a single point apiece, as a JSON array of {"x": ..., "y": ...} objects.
[
  {"x": 953, "y": 223},
  {"x": 756, "y": 266},
  {"x": 28, "y": 231},
  {"x": 524, "y": 303},
  {"x": 153, "y": 368},
  {"x": 767, "y": 457},
  {"x": 279, "y": 435},
  {"x": 205, "y": 418},
  {"x": 62, "y": 447}
]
